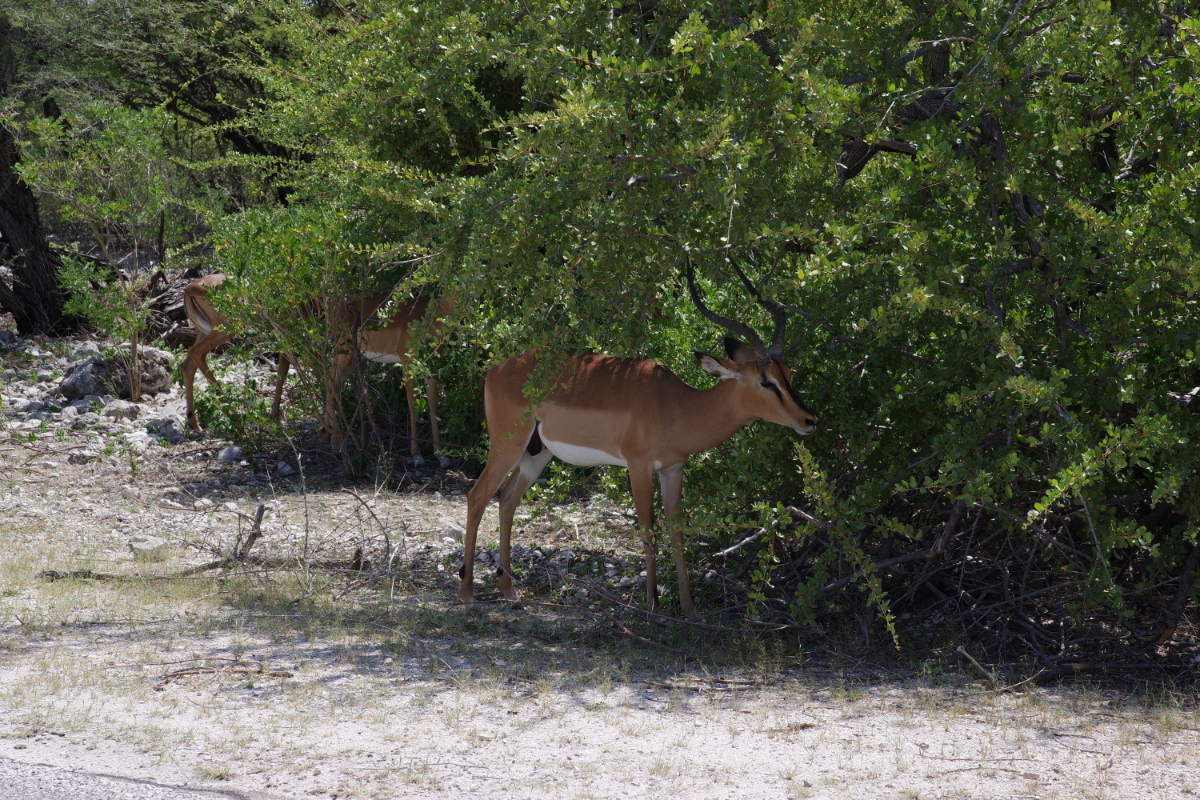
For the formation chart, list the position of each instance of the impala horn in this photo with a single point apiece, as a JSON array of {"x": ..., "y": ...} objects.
[
  {"x": 773, "y": 307},
  {"x": 761, "y": 352}
]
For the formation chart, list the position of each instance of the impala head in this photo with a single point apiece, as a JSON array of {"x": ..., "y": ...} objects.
[{"x": 765, "y": 380}]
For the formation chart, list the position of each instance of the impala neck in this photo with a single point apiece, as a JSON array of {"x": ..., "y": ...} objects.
[{"x": 707, "y": 417}]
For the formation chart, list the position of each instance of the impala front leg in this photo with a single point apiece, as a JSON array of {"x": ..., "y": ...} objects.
[
  {"x": 641, "y": 483},
  {"x": 671, "y": 482}
]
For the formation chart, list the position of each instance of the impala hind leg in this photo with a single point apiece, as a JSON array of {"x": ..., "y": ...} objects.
[
  {"x": 641, "y": 483},
  {"x": 197, "y": 357},
  {"x": 188, "y": 368},
  {"x": 414, "y": 442},
  {"x": 503, "y": 458},
  {"x": 671, "y": 483},
  {"x": 514, "y": 488}
]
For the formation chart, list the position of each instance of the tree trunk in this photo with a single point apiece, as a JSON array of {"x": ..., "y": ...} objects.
[{"x": 35, "y": 299}]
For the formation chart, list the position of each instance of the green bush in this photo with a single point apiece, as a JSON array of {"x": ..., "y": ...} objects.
[{"x": 984, "y": 219}]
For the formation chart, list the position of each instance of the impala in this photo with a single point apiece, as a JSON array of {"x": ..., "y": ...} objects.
[
  {"x": 629, "y": 413},
  {"x": 387, "y": 344}
]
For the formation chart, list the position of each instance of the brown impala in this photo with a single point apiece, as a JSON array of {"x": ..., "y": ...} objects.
[
  {"x": 629, "y": 413},
  {"x": 386, "y": 345}
]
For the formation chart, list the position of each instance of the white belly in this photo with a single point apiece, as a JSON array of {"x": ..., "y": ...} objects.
[
  {"x": 582, "y": 456},
  {"x": 382, "y": 358}
]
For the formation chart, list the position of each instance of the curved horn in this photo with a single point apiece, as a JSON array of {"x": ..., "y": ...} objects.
[
  {"x": 776, "y": 309},
  {"x": 733, "y": 326}
]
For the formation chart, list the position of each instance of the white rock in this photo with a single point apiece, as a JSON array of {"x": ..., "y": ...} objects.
[
  {"x": 139, "y": 440},
  {"x": 230, "y": 455},
  {"x": 121, "y": 409},
  {"x": 172, "y": 428},
  {"x": 285, "y": 468},
  {"x": 85, "y": 349},
  {"x": 453, "y": 532},
  {"x": 149, "y": 548},
  {"x": 203, "y": 504}
]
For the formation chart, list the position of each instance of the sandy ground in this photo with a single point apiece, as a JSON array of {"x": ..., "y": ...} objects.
[
  {"x": 301, "y": 684},
  {"x": 413, "y": 737}
]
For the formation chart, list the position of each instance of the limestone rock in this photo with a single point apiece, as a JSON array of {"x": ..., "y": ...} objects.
[
  {"x": 99, "y": 375},
  {"x": 230, "y": 455},
  {"x": 453, "y": 532},
  {"x": 149, "y": 548},
  {"x": 84, "y": 350},
  {"x": 92, "y": 376},
  {"x": 155, "y": 367},
  {"x": 121, "y": 409},
  {"x": 172, "y": 428}
]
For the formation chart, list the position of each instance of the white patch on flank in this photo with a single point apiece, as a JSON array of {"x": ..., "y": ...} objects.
[
  {"x": 582, "y": 456},
  {"x": 382, "y": 358},
  {"x": 532, "y": 466}
]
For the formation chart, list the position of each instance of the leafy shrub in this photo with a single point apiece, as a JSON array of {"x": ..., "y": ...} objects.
[{"x": 984, "y": 220}]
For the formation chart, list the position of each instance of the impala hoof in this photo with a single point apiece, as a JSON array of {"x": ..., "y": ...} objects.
[{"x": 466, "y": 598}]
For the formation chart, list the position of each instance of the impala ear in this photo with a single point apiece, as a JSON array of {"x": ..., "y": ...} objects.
[
  {"x": 717, "y": 366},
  {"x": 738, "y": 351}
]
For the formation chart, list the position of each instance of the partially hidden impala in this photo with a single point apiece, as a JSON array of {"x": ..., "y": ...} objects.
[
  {"x": 631, "y": 413},
  {"x": 386, "y": 344}
]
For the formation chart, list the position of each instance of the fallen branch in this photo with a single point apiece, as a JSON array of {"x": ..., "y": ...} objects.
[
  {"x": 220, "y": 563},
  {"x": 236, "y": 668},
  {"x": 252, "y": 537},
  {"x": 1077, "y": 668},
  {"x": 978, "y": 666}
]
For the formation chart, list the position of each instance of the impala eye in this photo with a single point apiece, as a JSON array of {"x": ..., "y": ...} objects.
[{"x": 773, "y": 387}]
